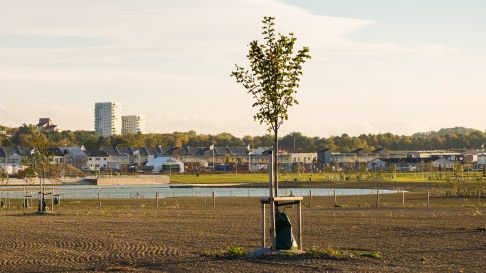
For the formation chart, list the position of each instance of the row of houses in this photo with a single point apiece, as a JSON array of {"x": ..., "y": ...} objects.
[
  {"x": 224, "y": 159},
  {"x": 242, "y": 159},
  {"x": 402, "y": 160}
]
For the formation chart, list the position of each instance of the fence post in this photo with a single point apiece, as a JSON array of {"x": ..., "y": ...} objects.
[
  {"x": 299, "y": 223},
  {"x": 428, "y": 198},
  {"x": 52, "y": 202},
  {"x": 263, "y": 238},
  {"x": 99, "y": 201},
  {"x": 157, "y": 199},
  {"x": 479, "y": 197},
  {"x": 310, "y": 198},
  {"x": 377, "y": 198},
  {"x": 214, "y": 201},
  {"x": 403, "y": 198},
  {"x": 335, "y": 198}
]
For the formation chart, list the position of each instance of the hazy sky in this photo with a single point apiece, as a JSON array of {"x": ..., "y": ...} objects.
[{"x": 378, "y": 65}]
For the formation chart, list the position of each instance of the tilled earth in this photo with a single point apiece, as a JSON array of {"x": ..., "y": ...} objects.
[{"x": 449, "y": 235}]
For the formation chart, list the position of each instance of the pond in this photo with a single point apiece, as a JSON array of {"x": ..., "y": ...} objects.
[{"x": 149, "y": 191}]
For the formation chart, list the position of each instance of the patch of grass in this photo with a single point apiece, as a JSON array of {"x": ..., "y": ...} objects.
[
  {"x": 371, "y": 254},
  {"x": 332, "y": 253},
  {"x": 232, "y": 252}
]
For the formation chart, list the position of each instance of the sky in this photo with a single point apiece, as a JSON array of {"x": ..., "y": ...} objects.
[{"x": 377, "y": 65}]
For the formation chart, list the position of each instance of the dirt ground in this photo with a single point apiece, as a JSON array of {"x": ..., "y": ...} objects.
[{"x": 449, "y": 235}]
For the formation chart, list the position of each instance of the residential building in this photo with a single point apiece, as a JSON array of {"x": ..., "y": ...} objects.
[
  {"x": 482, "y": 159},
  {"x": 57, "y": 155},
  {"x": 297, "y": 161},
  {"x": 46, "y": 125},
  {"x": 377, "y": 165},
  {"x": 75, "y": 156},
  {"x": 97, "y": 160},
  {"x": 132, "y": 125},
  {"x": 443, "y": 164},
  {"x": 14, "y": 154},
  {"x": 324, "y": 157},
  {"x": 11, "y": 168},
  {"x": 107, "y": 119},
  {"x": 119, "y": 158}
]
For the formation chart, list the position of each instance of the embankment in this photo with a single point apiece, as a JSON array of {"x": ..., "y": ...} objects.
[{"x": 133, "y": 180}]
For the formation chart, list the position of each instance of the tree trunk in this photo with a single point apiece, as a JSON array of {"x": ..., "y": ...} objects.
[{"x": 275, "y": 162}]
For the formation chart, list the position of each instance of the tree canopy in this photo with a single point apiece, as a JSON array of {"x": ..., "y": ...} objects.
[{"x": 452, "y": 138}]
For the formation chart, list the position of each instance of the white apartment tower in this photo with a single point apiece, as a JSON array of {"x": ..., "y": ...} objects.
[
  {"x": 132, "y": 124},
  {"x": 107, "y": 119}
]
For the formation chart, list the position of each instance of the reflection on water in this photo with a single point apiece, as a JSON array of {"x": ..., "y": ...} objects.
[{"x": 149, "y": 191}]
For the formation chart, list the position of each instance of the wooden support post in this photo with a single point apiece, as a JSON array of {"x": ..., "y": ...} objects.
[
  {"x": 263, "y": 226},
  {"x": 310, "y": 198},
  {"x": 8, "y": 200},
  {"x": 377, "y": 198},
  {"x": 273, "y": 231},
  {"x": 214, "y": 201},
  {"x": 99, "y": 201},
  {"x": 299, "y": 224},
  {"x": 479, "y": 197},
  {"x": 273, "y": 193},
  {"x": 335, "y": 198},
  {"x": 157, "y": 200},
  {"x": 428, "y": 198},
  {"x": 52, "y": 202},
  {"x": 403, "y": 198}
]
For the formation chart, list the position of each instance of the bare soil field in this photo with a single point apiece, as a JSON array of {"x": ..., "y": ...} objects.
[{"x": 449, "y": 235}]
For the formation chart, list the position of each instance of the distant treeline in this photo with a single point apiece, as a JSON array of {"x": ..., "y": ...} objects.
[{"x": 452, "y": 138}]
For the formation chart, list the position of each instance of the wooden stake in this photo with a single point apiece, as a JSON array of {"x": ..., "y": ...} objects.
[
  {"x": 428, "y": 198},
  {"x": 273, "y": 230},
  {"x": 157, "y": 200},
  {"x": 403, "y": 198},
  {"x": 99, "y": 201},
  {"x": 335, "y": 198},
  {"x": 299, "y": 223},
  {"x": 273, "y": 194},
  {"x": 479, "y": 197},
  {"x": 214, "y": 201},
  {"x": 52, "y": 203},
  {"x": 263, "y": 226},
  {"x": 310, "y": 198},
  {"x": 377, "y": 198}
]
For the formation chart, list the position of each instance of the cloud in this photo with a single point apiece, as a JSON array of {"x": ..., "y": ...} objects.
[
  {"x": 106, "y": 31},
  {"x": 152, "y": 51}
]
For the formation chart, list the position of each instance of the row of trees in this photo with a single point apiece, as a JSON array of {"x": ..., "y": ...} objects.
[{"x": 447, "y": 139}]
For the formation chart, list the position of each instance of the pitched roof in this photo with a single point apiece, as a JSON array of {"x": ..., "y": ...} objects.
[
  {"x": 97, "y": 153},
  {"x": 55, "y": 152},
  {"x": 406, "y": 160}
]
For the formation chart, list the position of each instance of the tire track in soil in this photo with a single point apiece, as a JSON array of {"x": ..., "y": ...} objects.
[{"x": 19, "y": 253}]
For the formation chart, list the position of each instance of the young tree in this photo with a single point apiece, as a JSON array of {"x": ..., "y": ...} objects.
[{"x": 273, "y": 79}]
